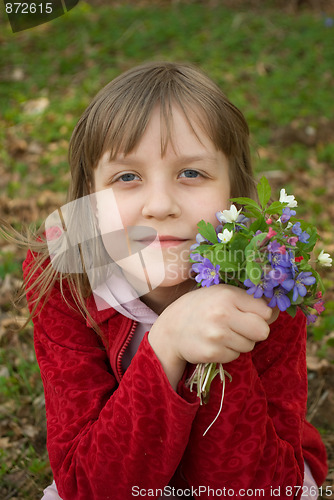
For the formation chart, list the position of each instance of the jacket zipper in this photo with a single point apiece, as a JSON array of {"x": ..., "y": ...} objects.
[{"x": 121, "y": 352}]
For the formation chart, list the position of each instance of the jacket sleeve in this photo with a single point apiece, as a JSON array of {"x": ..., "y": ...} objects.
[
  {"x": 260, "y": 428},
  {"x": 103, "y": 438}
]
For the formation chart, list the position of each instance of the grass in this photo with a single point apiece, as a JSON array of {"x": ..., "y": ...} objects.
[{"x": 277, "y": 67}]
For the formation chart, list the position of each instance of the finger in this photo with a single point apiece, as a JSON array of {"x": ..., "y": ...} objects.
[
  {"x": 247, "y": 303},
  {"x": 249, "y": 325},
  {"x": 238, "y": 343},
  {"x": 274, "y": 315},
  {"x": 225, "y": 355}
]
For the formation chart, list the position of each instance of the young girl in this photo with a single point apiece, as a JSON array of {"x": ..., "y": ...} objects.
[{"x": 157, "y": 150}]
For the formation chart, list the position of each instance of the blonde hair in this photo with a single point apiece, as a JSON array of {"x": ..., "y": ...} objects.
[
  {"x": 117, "y": 117},
  {"x": 115, "y": 122}
]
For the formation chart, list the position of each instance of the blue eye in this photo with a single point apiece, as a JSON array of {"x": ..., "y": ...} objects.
[
  {"x": 190, "y": 174},
  {"x": 128, "y": 177}
]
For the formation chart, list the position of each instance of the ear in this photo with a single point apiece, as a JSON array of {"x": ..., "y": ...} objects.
[
  {"x": 90, "y": 186},
  {"x": 94, "y": 207},
  {"x": 90, "y": 189}
]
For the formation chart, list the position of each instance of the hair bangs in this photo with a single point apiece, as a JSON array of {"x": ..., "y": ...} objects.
[{"x": 118, "y": 116}]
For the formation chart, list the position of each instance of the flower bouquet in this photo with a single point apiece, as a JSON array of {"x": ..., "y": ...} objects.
[{"x": 264, "y": 249}]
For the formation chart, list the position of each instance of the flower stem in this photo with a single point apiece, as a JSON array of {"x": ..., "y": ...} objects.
[
  {"x": 221, "y": 405},
  {"x": 202, "y": 377}
]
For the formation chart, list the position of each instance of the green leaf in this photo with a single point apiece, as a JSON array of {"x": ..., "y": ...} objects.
[
  {"x": 242, "y": 200},
  {"x": 304, "y": 264},
  {"x": 251, "y": 212},
  {"x": 207, "y": 231},
  {"x": 319, "y": 280},
  {"x": 276, "y": 208},
  {"x": 254, "y": 271},
  {"x": 222, "y": 256},
  {"x": 253, "y": 244},
  {"x": 264, "y": 191},
  {"x": 247, "y": 202},
  {"x": 229, "y": 226},
  {"x": 237, "y": 247},
  {"x": 201, "y": 249},
  {"x": 259, "y": 223},
  {"x": 299, "y": 299},
  {"x": 292, "y": 310},
  {"x": 228, "y": 267},
  {"x": 309, "y": 245}
]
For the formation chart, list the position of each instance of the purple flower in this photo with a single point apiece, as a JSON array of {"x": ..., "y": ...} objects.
[
  {"x": 274, "y": 246},
  {"x": 287, "y": 213},
  {"x": 293, "y": 240},
  {"x": 265, "y": 287},
  {"x": 193, "y": 246},
  {"x": 280, "y": 299},
  {"x": 199, "y": 239},
  {"x": 296, "y": 229},
  {"x": 197, "y": 257},
  {"x": 208, "y": 274},
  {"x": 278, "y": 275},
  {"x": 311, "y": 318},
  {"x": 298, "y": 285},
  {"x": 253, "y": 289},
  {"x": 242, "y": 221},
  {"x": 293, "y": 266},
  {"x": 279, "y": 260},
  {"x": 304, "y": 237}
]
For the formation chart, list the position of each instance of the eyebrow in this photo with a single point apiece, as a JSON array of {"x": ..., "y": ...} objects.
[
  {"x": 179, "y": 161},
  {"x": 185, "y": 160}
]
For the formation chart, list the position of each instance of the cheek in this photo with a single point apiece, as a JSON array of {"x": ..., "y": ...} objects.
[
  {"x": 107, "y": 211},
  {"x": 214, "y": 203},
  {"x": 127, "y": 208}
]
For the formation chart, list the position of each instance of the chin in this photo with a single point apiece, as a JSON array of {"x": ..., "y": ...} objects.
[
  {"x": 154, "y": 276},
  {"x": 174, "y": 275},
  {"x": 177, "y": 276}
]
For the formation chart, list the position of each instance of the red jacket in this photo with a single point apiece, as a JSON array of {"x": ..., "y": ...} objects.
[{"x": 114, "y": 435}]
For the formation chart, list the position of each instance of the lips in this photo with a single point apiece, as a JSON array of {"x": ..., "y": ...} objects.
[
  {"x": 170, "y": 238},
  {"x": 162, "y": 241},
  {"x": 162, "y": 238}
]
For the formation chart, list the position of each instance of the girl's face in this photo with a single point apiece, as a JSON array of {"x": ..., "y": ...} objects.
[{"x": 168, "y": 194}]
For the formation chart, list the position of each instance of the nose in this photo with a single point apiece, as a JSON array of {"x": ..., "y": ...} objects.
[{"x": 161, "y": 202}]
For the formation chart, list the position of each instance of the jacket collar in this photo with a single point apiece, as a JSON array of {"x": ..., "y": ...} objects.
[{"x": 99, "y": 316}]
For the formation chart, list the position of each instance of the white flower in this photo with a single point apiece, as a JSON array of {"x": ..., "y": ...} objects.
[
  {"x": 229, "y": 215},
  {"x": 325, "y": 259},
  {"x": 287, "y": 198},
  {"x": 225, "y": 236}
]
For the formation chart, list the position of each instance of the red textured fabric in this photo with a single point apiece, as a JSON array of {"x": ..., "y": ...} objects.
[{"x": 110, "y": 433}]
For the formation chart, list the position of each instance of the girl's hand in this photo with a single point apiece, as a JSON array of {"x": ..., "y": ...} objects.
[{"x": 209, "y": 325}]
